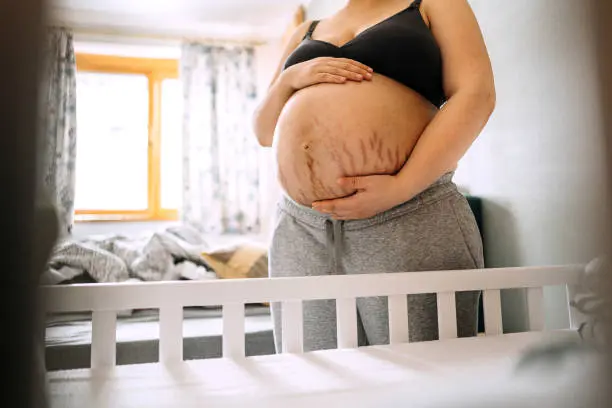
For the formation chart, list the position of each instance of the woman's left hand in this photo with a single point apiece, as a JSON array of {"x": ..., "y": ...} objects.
[{"x": 374, "y": 195}]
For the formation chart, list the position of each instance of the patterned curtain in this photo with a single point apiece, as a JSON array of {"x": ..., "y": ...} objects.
[
  {"x": 220, "y": 152},
  {"x": 58, "y": 123}
]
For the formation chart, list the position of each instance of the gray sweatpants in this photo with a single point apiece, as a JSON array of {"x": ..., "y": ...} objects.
[{"x": 434, "y": 231}]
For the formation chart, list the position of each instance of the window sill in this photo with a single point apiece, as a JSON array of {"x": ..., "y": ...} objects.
[
  {"x": 80, "y": 218},
  {"x": 127, "y": 228}
]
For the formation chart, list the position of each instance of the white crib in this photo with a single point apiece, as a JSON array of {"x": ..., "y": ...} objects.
[{"x": 328, "y": 378}]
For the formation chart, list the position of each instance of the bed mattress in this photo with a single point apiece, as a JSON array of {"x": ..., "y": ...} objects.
[
  {"x": 68, "y": 336},
  {"x": 407, "y": 375}
]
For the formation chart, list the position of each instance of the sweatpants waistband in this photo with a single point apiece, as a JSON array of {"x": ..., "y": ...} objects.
[{"x": 439, "y": 189}]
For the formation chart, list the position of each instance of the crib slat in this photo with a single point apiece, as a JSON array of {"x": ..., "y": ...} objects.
[
  {"x": 103, "y": 339},
  {"x": 346, "y": 314},
  {"x": 398, "y": 319},
  {"x": 535, "y": 306},
  {"x": 233, "y": 330},
  {"x": 292, "y": 327},
  {"x": 447, "y": 315},
  {"x": 171, "y": 334},
  {"x": 491, "y": 300}
]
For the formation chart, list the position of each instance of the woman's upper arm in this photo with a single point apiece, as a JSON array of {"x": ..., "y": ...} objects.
[
  {"x": 466, "y": 62},
  {"x": 291, "y": 44}
]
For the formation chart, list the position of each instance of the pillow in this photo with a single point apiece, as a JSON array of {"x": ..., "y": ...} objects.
[
  {"x": 239, "y": 261},
  {"x": 591, "y": 302}
]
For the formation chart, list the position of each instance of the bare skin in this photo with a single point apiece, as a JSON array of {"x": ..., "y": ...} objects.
[
  {"x": 314, "y": 148},
  {"x": 331, "y": 119}
]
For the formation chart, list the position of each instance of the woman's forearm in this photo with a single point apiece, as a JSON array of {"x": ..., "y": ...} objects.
[
  {"x": 267, "y": 113},
  {"x": 446, "y": 139}
]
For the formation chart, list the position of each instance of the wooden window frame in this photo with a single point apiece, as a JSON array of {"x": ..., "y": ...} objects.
[{"x": 156, "y": 70}]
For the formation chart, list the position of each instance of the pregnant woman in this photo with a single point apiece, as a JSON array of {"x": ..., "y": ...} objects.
[{"x": 369, "y": 113}]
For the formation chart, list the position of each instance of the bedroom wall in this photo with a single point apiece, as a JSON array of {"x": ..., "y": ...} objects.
[
  {"x": 539, "y": 164},
  {"x": 318, "y": 9}
]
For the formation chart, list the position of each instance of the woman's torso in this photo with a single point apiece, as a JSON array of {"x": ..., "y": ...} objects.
[{"x": 328, "y": 131}]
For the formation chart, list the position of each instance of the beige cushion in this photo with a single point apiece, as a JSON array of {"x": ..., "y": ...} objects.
[{"x": 240, "y": 261}]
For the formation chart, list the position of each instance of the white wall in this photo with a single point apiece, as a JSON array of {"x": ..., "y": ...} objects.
[
  {"x": 539, "y": 164},
  {"x": 233, "y": 20},
  {"x": 319, "y": 9}
]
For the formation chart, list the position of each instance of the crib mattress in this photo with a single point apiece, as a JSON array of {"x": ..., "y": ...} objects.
[{"x": 366, "y": 377}]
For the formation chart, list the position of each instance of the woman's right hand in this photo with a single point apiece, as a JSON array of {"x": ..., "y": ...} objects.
[{"x": 325, "y": 70}]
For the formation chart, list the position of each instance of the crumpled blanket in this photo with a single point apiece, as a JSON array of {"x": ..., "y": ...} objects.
[
  {"x": 171, "y": 254},
  {"x": 593, "y": 301}
]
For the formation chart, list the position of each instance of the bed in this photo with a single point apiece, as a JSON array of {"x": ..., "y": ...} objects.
[
  {"x": 398, "y": 374},
  {"x": 170, "y": 254},
  {"x": 68, "y": 336}
]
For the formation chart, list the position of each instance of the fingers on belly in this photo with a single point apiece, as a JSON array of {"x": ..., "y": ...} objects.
[{"x": 310, "y": 172}]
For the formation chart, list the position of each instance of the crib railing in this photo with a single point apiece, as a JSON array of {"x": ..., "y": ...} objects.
[{"x": 104, "y": 300}]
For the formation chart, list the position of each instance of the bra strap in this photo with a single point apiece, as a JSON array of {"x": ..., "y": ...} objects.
[
  {"x": 416, "y": 3},
  {"x": 312, "y": 27}
]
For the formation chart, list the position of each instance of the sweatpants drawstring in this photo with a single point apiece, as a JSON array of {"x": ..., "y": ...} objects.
[{"x": 333, "y": 232}]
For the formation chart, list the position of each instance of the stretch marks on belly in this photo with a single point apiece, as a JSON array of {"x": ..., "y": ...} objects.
[{"x": 314, "y": 163}]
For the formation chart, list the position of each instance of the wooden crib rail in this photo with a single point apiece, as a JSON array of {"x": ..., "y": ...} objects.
[{"x": 170, "y": 297}]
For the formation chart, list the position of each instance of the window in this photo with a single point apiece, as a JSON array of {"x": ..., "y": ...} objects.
[{"x": 128, "y": 138}]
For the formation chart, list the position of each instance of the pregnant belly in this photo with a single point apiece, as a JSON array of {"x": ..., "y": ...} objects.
[{"x": 329, "y": 131}]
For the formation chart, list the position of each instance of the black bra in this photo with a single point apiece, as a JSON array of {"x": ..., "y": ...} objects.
[{"x": 400, "y": 47}]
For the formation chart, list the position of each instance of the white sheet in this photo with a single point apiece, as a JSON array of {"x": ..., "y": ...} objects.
[{"x": 407, "y": 375}]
